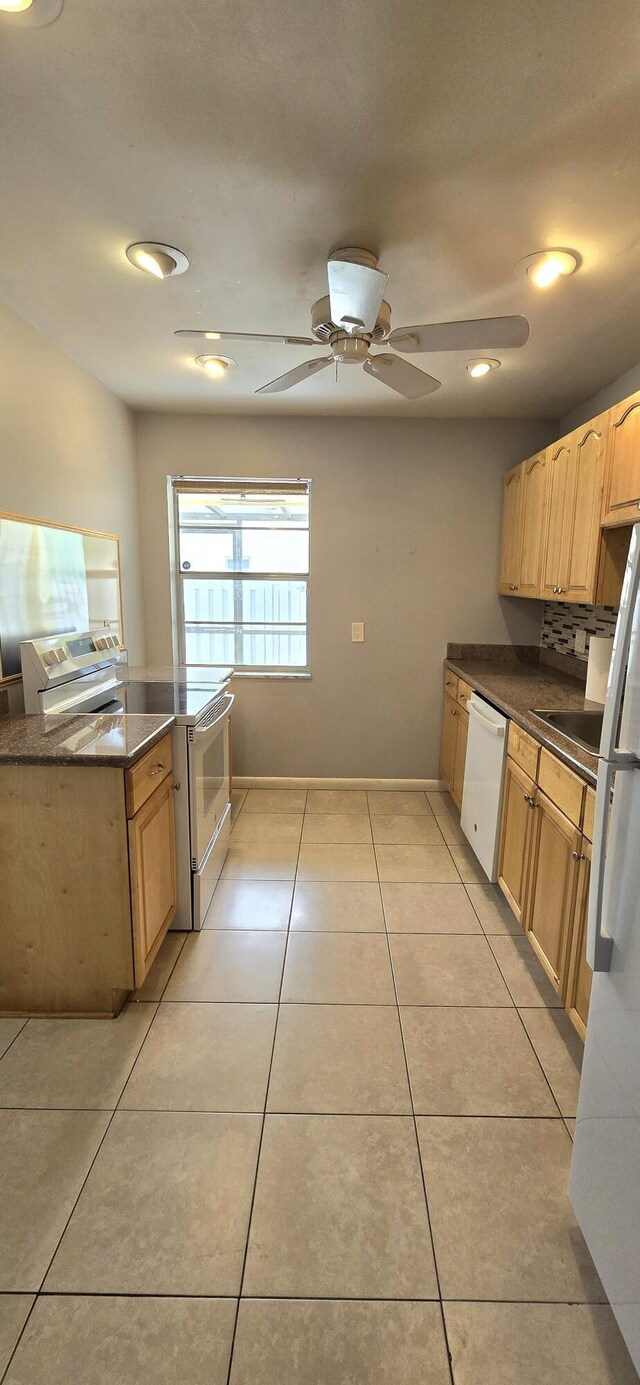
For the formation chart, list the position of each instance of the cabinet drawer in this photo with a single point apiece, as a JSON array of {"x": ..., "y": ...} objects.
[
  {"x": 523, "y": 749},
  {"x": 464, "y": 693},
  {"x": 589, "y": 814},
  {"x": 147, "y": 774},
  {"x": 562, "y": 786},
  {"x": 451, "y": 683}
]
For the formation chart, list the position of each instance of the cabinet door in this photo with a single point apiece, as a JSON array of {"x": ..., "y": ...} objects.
[
  {"x": 560, "y": 462},
  {"x": 584, "y": 550},
  {"x": 623, "y": 463},
  {"x": 448, "y": 742},
  {"x": 515, "y": 836},
  {"x": 460, "y": 756},
  {"x": 550, "y": 900},
  {"x": 532, "y": 528},
  {"x": 511, "y": 532},
  {"x": 580, "y": 973},
  {"x": 152, "y": 863}
]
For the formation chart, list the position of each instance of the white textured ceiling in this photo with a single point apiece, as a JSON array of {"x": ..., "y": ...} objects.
[{"x": 452, "y": 137}]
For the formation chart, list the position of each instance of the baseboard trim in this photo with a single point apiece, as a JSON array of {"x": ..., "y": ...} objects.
[{"x": 251, "y": 781}]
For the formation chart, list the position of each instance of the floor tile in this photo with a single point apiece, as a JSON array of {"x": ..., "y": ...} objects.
[
  {"x": 204, "y": 1058},
  {"x": 467, "y": 863},
  {"x": 275, "y": 801},
  {"x": 9, "y": 1029},
  {"x": 416, "y": 864},
  {"x": 334, "y": 1343},
  {"x": 261, "y": 861},
  {"x": 165, "y": 1208},
  {"x": 536, "y": 1343},
  {"x": 560, "y": 1051},
  {"x": 428, "y": 909},
  {"x": 267, "y": 827},
  {"x": 451, "y": 830},
  {"x": 399, "y": 828},
  {"x": 527, "y": 981},
  {"x": 45, "y": 1157},
  {"x": 336, "y": 862},
  {"x": 385, "y": 802},
  {"x": 492, "y": 909},
  {"x": 337, "y": 801},
  {"x": 339, "y": 1211},
  {"x": 443, "y": 806},
  {"x": 131, "y": 1341},
  {"x": 253, "y": 904},
  {"x": 237, "y": 799},
  {"x": 502, "y": 1224},
  {"x": 74, "y": 1063},
  {"x": 339, "y": 1058},
  {"x": 446, "y": 969},
  {"x": 14, "y": 1309},
  {"x": 343, "y": 906},
  {"x": 337, "y": 827},
  {"x": 229, "y": 966},
  {"x": 338, "y": 969},
  {"x": 473, "y": 1062},
  {"x": 162, "y": 968}
]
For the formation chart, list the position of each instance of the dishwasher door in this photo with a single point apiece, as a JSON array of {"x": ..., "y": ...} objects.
[{"x": 483, "y": 775}]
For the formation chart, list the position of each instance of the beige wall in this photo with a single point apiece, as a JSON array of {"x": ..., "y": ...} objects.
[
  {"x": 610, "y": 394},
  {"x": 405, "y": 532},
  {"x": 67, "y": 451}
]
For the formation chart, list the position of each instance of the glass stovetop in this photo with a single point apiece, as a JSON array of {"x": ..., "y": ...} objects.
[{"x": 158, "y": 699}]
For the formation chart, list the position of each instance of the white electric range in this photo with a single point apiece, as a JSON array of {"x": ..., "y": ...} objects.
[{"x": 84, "y": 673}]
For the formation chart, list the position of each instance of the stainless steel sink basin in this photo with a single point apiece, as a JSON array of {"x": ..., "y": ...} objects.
[{"x": 583, "y": 728}]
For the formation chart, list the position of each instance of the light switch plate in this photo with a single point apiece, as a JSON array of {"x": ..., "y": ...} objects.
[
  {"x": 357, "y": 632},
  {"x": 580, "y": 645}
]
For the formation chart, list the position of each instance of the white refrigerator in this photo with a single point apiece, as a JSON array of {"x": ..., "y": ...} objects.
[{"x": 604, "y": 1186}]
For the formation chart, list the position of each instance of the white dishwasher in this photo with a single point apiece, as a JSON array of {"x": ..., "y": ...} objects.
[{"x": 483, "y": 774}]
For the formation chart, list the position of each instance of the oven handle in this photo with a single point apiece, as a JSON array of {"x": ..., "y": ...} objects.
[{"x": 215, "y": 716}]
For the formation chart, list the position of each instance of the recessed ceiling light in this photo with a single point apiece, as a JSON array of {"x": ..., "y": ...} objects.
[
  {"x": 481, "y": 366},
  {"x": 31, "y": 13},
  {"x": 163, "y": 261},
  {"x": 547, "y": 266},
  {"x": 212, "y": 336},
  {"x": 216, "y": 366}
]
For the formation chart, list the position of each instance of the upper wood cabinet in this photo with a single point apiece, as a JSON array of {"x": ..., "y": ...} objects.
[
  {"x": 582, "y": 563},
  {"x": 622, "y": 497},
  {"x": 533, "y": 486},
  {"x": 511, "y": 532},
  {"x": 559, "y": 510}
]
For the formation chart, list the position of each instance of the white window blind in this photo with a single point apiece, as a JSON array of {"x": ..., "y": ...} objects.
[{"x": 243, "y": 572}]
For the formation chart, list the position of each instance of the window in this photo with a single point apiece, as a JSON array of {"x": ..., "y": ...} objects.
[{"x": 243, "y": 573}]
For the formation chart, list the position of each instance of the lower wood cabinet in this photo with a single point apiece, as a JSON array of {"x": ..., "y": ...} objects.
[
  {"x": 548, "y": 915},
  {"x": 515, "y": 836},
  {"x": 580, "y": 974},
  {"x": 152, "y": 862},
  {"x": 453, "y": 744}
]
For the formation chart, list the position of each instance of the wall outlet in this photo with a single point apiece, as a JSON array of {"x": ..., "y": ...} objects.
[
  {"x": 357, "y": 632},
  {"x": 580, "y": 644}
]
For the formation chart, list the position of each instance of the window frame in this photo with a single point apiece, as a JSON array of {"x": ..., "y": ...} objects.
[{"x": 200, "y": 485}]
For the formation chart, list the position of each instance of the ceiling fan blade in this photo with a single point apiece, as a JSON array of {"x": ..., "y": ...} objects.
[
  {"x": 479, "y": 334},
  {"x": 212, "y": 335},
  {"x": 355, "y": 293},
  {"x": 406, "y": 379},
  {"x": 295, "y": 376}
]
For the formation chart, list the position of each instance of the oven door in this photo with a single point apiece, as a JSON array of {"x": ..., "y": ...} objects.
[{"x": 208, "y": 777}]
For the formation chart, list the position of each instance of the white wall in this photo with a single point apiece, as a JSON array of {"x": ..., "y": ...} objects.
[
  {"x": 610, "y": 394},
  {"x": 405, "y": 533},
  {"x": 67, "y": 451}
]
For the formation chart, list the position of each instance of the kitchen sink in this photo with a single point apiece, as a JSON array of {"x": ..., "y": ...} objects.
[{"x": 583, "y": 728}]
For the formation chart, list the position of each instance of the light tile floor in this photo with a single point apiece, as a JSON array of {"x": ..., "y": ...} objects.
[{"x": 326, "y": 1144}]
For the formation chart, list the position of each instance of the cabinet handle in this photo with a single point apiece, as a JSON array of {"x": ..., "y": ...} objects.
[
  {"x": 577, "y": 855},
  {"x": 157, "y": 769},
  {"x": 528, "y": 799}
]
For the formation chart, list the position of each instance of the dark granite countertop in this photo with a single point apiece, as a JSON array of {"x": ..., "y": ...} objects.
[
  {"x": 79, "y": 739},
  {"x": 515, "y": 682}
]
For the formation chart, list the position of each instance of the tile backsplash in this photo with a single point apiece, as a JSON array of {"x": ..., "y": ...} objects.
[{"x": 560, "y": 622}]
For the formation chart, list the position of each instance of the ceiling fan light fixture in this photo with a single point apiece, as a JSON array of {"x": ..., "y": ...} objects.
[
  {"x": 162, "y": 261},
  {"x": 545, "y": 267},
  {"x": 212, "y": 336},
  {"x": 481, "y": 366},
  {"x": 215, "y": 366},
  {"x": 30, "y": 13}
]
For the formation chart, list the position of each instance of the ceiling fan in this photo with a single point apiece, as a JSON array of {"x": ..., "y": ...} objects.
[{"x": 355, "y": 316}]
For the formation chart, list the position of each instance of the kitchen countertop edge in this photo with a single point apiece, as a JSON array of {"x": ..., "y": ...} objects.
[{"x": 23, "y": 743}]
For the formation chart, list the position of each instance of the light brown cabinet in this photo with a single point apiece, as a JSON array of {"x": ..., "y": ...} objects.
[
  {"x": 88, "y": 885},
  {"x": 453, "y": 743},
  {"x": 532, "y": 524},
  {"x": 548, "y": 915},
  {"x": 580, "y": 974},
  {"x": 511, "y": 532},
  {"x": 622, "y": 497},
  {"x": 515, "y": 836},
  {"x": 559, "y": 503}
]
